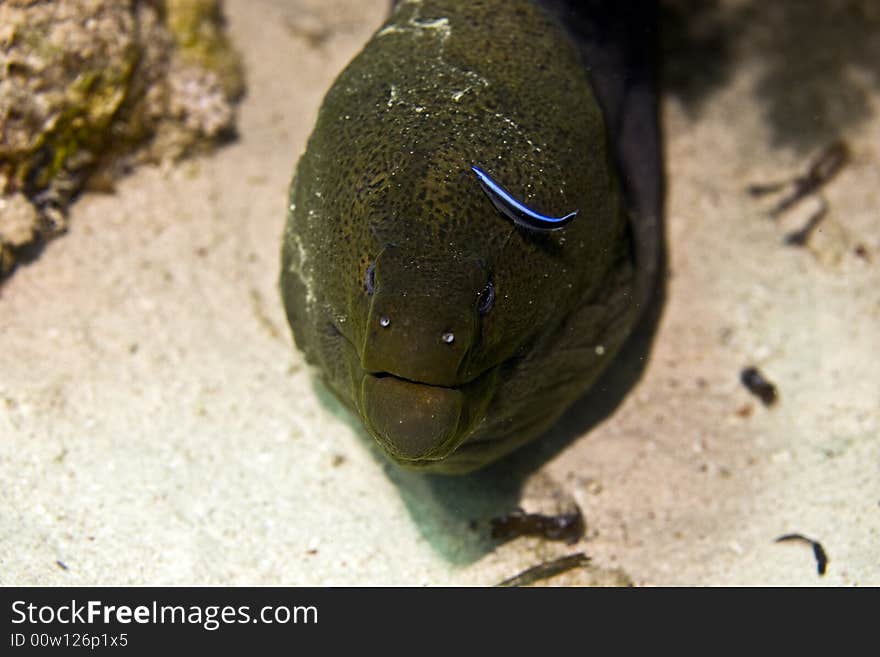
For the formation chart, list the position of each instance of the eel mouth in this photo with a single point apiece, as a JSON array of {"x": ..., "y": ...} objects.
[
  {"x": 414, "y": 422},
  {"x": 417, "y": 424}
]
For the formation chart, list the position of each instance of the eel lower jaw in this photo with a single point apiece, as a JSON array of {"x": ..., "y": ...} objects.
[{"x": 418, "y": 424}]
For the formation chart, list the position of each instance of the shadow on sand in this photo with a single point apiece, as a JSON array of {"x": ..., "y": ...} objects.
[{"x": 817, "y": 63}]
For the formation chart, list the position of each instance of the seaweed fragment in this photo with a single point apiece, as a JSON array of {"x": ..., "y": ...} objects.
[
  {"x": 568, "y": 527},
  {"x": 546, "y": 570},
  {"x": 801, "y": 236},
  {"x": 824, "y": 167},
  {"x": 821, "y": 171},
  {"x": 818, "y": 550},
  {"x": 757, "y": 384}
]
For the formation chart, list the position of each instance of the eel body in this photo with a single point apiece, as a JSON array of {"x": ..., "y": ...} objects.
[{"x": 417, "y": 274}]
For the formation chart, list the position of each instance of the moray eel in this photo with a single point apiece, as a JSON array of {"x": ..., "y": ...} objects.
[{"x": 474, "y": 226}]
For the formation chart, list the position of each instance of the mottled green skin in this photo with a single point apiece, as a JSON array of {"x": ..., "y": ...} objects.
[{"x": 387, "y": 178}]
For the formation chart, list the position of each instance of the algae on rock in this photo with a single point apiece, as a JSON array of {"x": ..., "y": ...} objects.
[{"x": 90, "y": 88}]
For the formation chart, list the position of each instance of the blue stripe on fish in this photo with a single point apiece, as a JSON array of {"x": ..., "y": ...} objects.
[{"x": 515, "y": 210}]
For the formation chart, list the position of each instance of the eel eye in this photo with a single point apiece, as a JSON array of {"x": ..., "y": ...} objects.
[
  {"x": 370, "y": 279},
  {"x": 487, "y": 299}
]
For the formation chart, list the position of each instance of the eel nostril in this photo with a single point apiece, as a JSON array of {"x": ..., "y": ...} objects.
[
  {"x": 448, "y": 337},
  {"x": 370, "y": 279}
]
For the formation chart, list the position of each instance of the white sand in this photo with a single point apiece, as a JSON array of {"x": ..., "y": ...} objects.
[{"x": 158, "y": 427}]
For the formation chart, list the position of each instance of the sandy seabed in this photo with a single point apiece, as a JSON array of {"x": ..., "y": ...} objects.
[{"x": 158, "y": 427}]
